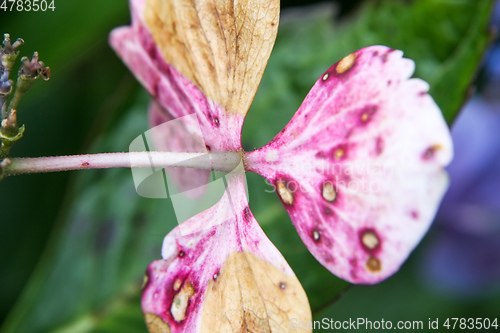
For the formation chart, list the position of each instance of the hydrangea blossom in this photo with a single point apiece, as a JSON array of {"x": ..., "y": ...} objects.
[{"x": 359, "y": 168}]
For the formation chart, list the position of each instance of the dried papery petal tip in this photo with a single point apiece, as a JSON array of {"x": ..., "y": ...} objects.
[
  {"x": 155, "y": 324},
  {"x": 158, "y": 49},
  {"x": 232, "y": 276},
  {"x": 266, "y": 308},
  {"x": 383, "y": 147},
  {"x": 219, "y": 66}
]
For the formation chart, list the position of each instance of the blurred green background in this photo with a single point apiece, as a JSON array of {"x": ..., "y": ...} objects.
[{"x": 74, "y": 245}]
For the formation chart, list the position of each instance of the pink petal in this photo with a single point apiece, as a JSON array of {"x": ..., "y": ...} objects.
[
  {"x": 134, "y": 44},
  {"x": 360, "y": 166},
  {"x": 219, "y": 269},
  {"x": 172, "y": 136}
]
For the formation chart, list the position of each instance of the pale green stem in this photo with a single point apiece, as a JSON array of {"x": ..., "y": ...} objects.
[{"x": 224, "y": 161}]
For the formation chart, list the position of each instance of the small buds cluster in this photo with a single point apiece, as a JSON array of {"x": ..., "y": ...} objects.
[
  {"x": 32, "y": 69},
  {"x": 29, "y": 71},
  {"x": 8, "y": 56}
]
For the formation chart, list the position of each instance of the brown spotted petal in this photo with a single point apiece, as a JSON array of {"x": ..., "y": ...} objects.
[
  {"x": 222, "y": 46},
  {"x": 359, "y": 167},
  {"x": 178, "y": 95},
  {"x": 220, "y": 273}
]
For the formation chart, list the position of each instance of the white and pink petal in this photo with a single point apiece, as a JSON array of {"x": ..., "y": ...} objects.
[
  {"x": 220, "y": 273},
  {"x": 359, "y": 167}
]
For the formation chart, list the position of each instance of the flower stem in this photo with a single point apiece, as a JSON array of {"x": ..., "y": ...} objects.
[{"x": 224, "y": 161}]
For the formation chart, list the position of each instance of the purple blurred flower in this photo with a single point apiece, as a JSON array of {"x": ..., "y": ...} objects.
[
  {"x": 464, "y": 258},
  {"x": 465, "y": 255}
]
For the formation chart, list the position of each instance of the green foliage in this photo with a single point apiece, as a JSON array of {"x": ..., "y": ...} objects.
[
  {"x": 89, "y": 277},
  {"x": 446, "y": 39}
]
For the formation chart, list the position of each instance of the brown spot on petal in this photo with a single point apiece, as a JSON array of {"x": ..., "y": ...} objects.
[
  {"x": 155, "y": 324},
  {"x": 373, "y": 265},
  {"x": 431, "y": 151},
  {"x": 329, "y": 192},
  {"x": 346, "y": 63},
  {"x": 216, "y": 121},
  {"x": 339, "y": 153},
  {"x": 367, "y": 113},
  {"x": 85, "y": 164},
  {"x": 285, "y": 194},
  {"x": 386, "y": 55},
  {"x": 247, "y": 215},
  {"x": 369, "y": 240},
  {"x": 181, "y": 302},
  {"x": 177, "y": 285},
  {"x": 282, "y": 285},
  {"x": 316, "y": 235},
  {"x": 181, "y": 254}
]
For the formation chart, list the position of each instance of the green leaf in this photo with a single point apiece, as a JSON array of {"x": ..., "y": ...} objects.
[
  {"x": 88, "y": 87},
  {"x": 446, "y": 39},
  {"x": 110, "y": 236}
]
